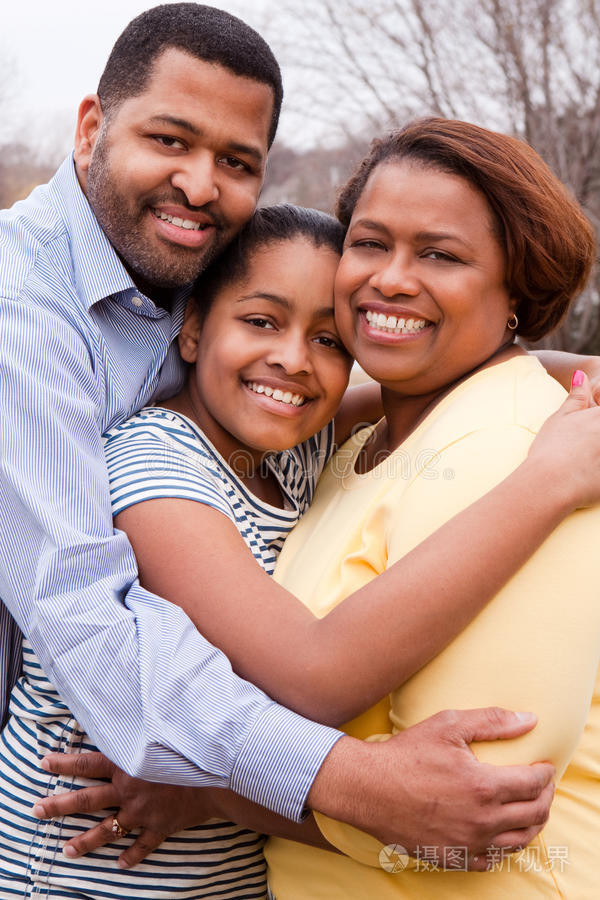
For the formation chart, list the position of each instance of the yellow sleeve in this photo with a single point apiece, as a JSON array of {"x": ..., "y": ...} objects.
[{"x": 535, "y": 647}]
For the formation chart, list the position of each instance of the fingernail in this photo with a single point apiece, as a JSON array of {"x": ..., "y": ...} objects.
[
  {"x": 39, "y": 812},
  {"x": 526, "y": 716},
  {"x": 70, "y": 852},
  {"x": 577, "y": 379},
  {"x": 45, "y": 764},
  {"x": 122, "y": 864}
]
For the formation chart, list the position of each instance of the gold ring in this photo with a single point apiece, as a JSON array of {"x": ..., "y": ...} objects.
[{"x": 117, "y": 828}]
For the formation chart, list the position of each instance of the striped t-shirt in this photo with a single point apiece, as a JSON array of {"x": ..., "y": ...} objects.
[{"x": 155, "y": 454}]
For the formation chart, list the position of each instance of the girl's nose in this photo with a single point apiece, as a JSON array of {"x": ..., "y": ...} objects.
[{"x": 292, "y": 353}]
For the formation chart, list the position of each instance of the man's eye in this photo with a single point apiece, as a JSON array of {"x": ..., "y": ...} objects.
[
  {"x": 167, "y": 141},
  {"x": 232, "y": 162}
]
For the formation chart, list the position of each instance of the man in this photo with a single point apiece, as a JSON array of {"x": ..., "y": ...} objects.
[{"x": 95, "y": 270}]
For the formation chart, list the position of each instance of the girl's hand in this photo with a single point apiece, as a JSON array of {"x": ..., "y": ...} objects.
[
  {"x": 152, "y": 810},
  {"x": 566, "y": 451}
]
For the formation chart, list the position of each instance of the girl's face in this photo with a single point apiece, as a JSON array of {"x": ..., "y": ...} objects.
[
  {"x": 421, "y": 298},
  {"x": 270, "y": 369}
]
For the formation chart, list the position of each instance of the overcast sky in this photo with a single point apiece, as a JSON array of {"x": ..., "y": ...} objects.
[{"x": 54, "y": 52}]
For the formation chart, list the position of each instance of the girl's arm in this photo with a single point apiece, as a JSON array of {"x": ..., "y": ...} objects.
[
  {"x": 361, "y": 405},
  {"x": 560, "y": 365},
  {"x": 325, "y": 669}
]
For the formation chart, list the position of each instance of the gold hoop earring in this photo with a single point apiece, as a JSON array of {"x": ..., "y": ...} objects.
[{"x": 513, "y": 322}]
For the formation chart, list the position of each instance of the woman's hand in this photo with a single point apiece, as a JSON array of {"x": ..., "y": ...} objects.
[
  {"x": 153, "y": 810},
  {"x": 566, "y": 451}
]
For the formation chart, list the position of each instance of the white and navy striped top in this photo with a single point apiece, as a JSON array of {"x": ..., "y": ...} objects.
[
  {"x": 159, "y": 453},
  {"x": 81, "y": 350},
  {"x": 155, "y": 454}
]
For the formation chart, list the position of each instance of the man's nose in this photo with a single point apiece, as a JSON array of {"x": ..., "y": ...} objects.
[{"x": 197, "y": 179}]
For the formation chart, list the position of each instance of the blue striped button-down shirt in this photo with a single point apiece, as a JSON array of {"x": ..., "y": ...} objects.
[{"x": 81, "y": 349}]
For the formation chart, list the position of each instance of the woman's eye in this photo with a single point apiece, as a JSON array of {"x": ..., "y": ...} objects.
[
  {"x": 439, "y": 254},
  {"x": 367, "y": 245}
]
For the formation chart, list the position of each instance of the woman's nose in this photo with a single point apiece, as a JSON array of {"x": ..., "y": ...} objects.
[{"x": 397, "y": 276}]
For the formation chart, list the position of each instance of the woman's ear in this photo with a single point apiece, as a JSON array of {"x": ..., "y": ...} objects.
[{"x": 190, "y": 333}]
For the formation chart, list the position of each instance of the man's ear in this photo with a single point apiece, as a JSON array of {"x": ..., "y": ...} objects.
[
  {"x": 189, "y": 335},
  {"x": 89, "y": 123}
]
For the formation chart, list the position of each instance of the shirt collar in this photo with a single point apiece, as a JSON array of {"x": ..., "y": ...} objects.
[{"x": 98, "y": 270}]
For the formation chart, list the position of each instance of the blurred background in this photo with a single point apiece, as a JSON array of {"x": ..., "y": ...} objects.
[{"x": 351, "y": 70}]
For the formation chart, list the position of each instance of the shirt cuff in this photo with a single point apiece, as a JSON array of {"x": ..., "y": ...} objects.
[{"x": 280, "y": 760}]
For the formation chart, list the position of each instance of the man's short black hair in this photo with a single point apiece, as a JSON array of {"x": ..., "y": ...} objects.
[{"x": 205, "y": 32}]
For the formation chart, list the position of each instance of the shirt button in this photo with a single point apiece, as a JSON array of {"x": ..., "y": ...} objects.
[{"x": 137, "y": 301}]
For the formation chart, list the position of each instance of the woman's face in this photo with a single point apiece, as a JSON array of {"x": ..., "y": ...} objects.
[{"x": 421, "y": 298}]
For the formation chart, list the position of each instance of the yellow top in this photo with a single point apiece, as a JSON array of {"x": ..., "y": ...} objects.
[{"x": 536, "y": 646}]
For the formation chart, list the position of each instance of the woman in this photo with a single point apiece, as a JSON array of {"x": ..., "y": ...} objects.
[
  {"x": 442, "y": 329},
  {"x": 457, "y": 239}
]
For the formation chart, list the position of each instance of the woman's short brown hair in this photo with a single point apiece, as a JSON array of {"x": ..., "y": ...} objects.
[{"x": 549, "y": 244}]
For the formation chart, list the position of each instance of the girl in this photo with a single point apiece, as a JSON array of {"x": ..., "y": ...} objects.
[{"x": 207, "y": 485}]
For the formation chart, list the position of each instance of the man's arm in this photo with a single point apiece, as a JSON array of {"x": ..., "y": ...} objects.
[{"x": 151, "y": 692}]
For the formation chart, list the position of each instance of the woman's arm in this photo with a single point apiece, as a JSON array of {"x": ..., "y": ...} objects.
[{"x": 324, "y": 668}]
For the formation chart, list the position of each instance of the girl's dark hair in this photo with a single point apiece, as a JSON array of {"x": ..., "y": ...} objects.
[
  {"x": 268, "y": 226},
  {"x": 549, "y": 244}
]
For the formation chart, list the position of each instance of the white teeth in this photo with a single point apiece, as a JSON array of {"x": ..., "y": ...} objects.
[
  {"x": 281, "y": 396},
  {"x": 393, "y": 325},
  {"x": 180, "y": 223}
]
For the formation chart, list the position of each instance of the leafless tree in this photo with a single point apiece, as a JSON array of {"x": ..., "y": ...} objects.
[{"x": 529, "y": 67}]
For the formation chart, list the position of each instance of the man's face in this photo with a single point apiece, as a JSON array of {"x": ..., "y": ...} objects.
[{"x": 175, "y": 172}]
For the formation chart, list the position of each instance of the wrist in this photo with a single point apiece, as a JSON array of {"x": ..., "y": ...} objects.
[
  {"x": 343, "y": 781},
  {"x": 541, "y": 486}
]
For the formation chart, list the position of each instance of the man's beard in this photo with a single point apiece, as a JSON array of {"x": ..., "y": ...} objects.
[{"x": 176, "y": 266}]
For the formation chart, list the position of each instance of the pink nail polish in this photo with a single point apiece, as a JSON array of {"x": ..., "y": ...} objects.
[{"x": 577, "y": 379}]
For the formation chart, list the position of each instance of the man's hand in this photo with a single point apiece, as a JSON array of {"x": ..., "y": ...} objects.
[
  {"x": 424, "y": 787},
  {"x": 153, "y": 810}
]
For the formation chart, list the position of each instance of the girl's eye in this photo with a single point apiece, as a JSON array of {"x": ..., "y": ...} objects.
[
  {"x": 327, "y": 341},
  {"x": 259, "y": 323}
]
